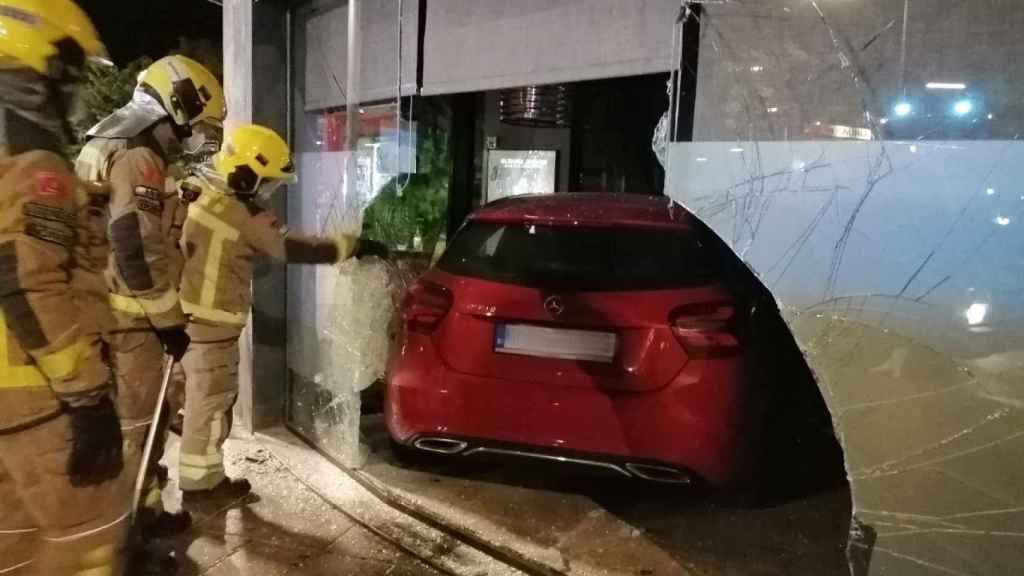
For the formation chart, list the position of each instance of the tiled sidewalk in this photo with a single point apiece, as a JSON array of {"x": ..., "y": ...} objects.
[{"x": 282, "y": 528}]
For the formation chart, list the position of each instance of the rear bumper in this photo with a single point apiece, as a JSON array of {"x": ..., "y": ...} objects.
[
  {"x": 618, "y": 466},
  {"x": 693, "y": 424}
]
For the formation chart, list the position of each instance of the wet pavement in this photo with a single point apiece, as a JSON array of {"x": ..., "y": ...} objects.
[
  {"x": 576, "y": 523},
  {"x": 283, "y": 528},
  {"x": 306, "y": 517}
]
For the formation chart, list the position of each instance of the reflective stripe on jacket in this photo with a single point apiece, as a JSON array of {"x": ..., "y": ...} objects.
[
  {"x": 55, "y": 365},
  {"x": 222, "y": 239},
  {"x": 49, "y": 339},
  {"x": 144, "y": 266}
]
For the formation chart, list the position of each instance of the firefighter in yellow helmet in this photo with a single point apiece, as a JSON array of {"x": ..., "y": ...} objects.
[
  {"x": 62, "y": 508},
  {"x": 225, "y": 233},
  {"x": 132, "y": 151}
]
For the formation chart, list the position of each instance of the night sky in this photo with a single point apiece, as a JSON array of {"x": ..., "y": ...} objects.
[{"x": 134, "y": 28}]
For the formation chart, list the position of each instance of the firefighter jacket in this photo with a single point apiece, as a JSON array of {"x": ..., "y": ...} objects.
[
  {"x": 177, "y": 204},
  {"x": 51, "y": 302},
  {"x": 144, "y": 264},
  {"x": 222, "y": 240}
]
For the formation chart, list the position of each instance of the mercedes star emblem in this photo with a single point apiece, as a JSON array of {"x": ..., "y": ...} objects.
[{"x": 554, "y": 306}]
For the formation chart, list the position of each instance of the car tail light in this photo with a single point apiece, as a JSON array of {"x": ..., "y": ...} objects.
[
  {"x": 425, "y": 305},
  {"x": 706, "y": 329}
]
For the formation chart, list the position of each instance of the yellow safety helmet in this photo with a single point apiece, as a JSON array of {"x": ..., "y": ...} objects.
[
  {"x": 252, "y": 154},
  {"x": 35, "y": 32},
  {"x": 187, "y": 90}
]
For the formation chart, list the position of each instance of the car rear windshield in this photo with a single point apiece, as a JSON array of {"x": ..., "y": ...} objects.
[{"x": 580, "y": 258}]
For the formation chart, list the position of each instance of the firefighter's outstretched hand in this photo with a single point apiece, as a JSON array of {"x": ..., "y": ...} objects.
[
  {"x": 96, "y": 444},
  {"x": 175, "y": 341}
]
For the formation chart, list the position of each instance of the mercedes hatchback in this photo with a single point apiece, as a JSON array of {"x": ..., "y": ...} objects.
[{"x": 589, "y": 329}]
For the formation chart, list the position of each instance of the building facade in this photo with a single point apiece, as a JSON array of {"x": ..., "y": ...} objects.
[{"x": 860, "y": 156}]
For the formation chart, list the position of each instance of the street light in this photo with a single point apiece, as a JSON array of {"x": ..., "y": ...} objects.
[
  {"x": 963, "y": 107},
  {"x": 976, "y": 313},
  {"x": 902, "y": 109}
]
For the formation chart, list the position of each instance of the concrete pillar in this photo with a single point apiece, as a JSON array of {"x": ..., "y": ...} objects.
[
  {"x": 238, "y": 50},
  {"x": 256, "y": 86}
]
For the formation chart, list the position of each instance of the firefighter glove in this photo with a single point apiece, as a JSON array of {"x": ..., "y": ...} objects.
[
  {"x": 96, "y": 444},
  {"x": 175, "y": 341}
]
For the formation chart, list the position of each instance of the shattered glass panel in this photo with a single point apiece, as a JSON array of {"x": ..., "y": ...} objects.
[
  {"x": 364, "y": 170},
  {"x": 353, "y": 343},
  {"x": 862, "y": 157}
]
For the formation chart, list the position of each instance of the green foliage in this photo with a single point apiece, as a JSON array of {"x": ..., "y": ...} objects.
[
  {"x": 105, "y": 89},
  {"x": 422, "y": 206}
]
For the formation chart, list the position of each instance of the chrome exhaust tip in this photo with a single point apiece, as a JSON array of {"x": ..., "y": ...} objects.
[
  {"x": 662, "y": 474},
  {"x": 440, "y": 445}
]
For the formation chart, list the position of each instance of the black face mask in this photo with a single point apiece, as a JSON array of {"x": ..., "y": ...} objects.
[
  {"x": 35, "y": 108},
  {"x": 32, "y": 111},
  {"x": 161, "y": 138}
]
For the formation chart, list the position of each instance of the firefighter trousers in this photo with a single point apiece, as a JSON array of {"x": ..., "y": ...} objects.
[
  {"x": 47, "y": 526},
  {"x": 211, "y": 388},
  {"x": 138, "y": 359}
]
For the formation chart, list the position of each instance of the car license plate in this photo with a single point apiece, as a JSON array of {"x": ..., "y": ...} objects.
[{"x": 555, "y": 343}]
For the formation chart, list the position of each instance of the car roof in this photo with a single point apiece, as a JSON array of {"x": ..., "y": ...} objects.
[{"x": 588, "y": 209}]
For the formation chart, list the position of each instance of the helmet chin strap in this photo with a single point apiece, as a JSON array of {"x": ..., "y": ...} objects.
[
  {"x": 213, "y": 178},
  {"x": 194, "y": 143},
  {"x": 263, "y": 191}
]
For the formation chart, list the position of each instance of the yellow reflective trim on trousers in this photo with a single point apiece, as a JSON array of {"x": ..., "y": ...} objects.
[
  {"x": 154, "y": 500},
  {"x": 212, "y": 314},
  {"x": 198, "y": 468},
  {"x": 200, "y": 460},
  {"x": 98, "y": 562},
  {"x": 192, "y": 466},
  {"x": 62, "y": 363},
  {"x": 198, "y": 472},
  {"x": 138, "y": 306}
]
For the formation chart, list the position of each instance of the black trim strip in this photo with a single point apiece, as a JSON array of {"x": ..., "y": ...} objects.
[
  {"x": 50, "y": 232},
  {"x": 21, "y": 319},
  {"x": 47, "y": 212},
  {"x": 126, "y": 242},
  {"x": 421, "y": 35}
]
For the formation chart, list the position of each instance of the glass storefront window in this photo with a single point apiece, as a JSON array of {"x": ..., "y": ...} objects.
[
  {"x": 863, "y": 158},
  {"x": 384, "y": 179}
]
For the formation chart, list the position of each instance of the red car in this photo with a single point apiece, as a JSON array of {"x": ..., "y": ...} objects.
[{"x": 590, "y": 329}]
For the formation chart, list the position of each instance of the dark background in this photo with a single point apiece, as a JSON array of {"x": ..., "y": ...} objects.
[{"x": 134, "y": 28}]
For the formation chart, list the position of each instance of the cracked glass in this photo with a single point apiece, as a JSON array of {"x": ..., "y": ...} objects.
[
  {"x": 863, "y": 158},
  {"x": 364, "y": 171}
]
